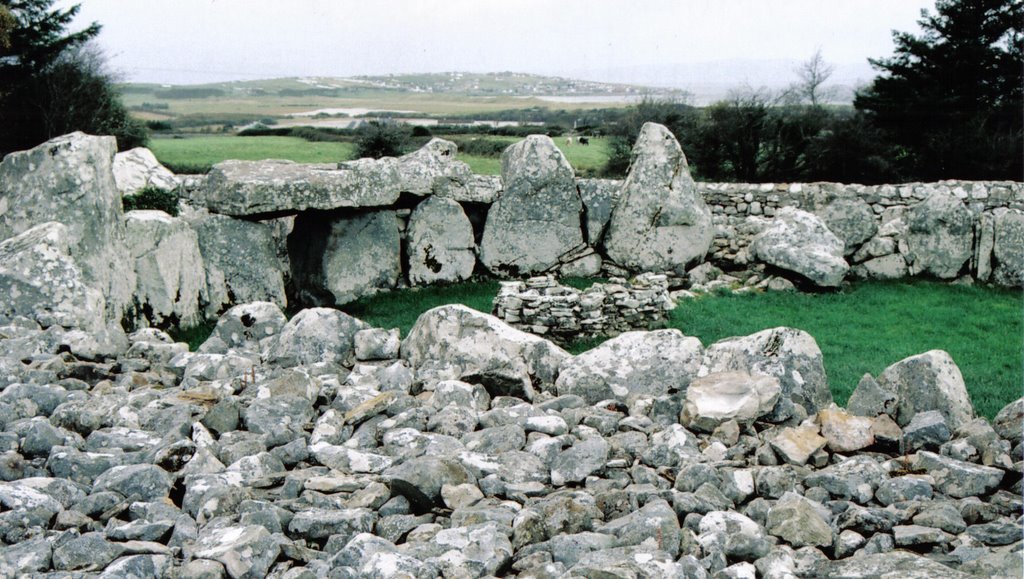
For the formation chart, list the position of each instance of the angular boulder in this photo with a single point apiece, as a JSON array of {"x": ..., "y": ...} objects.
[
  {"x": 41, "y": 281},
  {"x": 170, "y": 277},
  {"x": 928, "y": 381},
  {"x": 660, "y": 222},
  {"x": 850, "y": 219},
  {"x": 455, "y": 342},
  {"x": 632, "y": 365},
  {"x": 246, "y": 328},
  {"x": 788, "y": 354},
  {"x": 70, "y": 180},
  {"x": 432, "y": 168},
  {"x": 440, "y": 243},
  {"x": 600, "y": 196},
  {"x": 240, "y": 188},
  {"x": 314, "y": 335},
  {"x": 940, "y": 236},
  {"x": 800, "y": 242},
  {"x": 535, "y": 223},
  {"x": 136, "y": 169},
  {"x": 362, "y": 255},
  {"x": 723, "y": 396},
  {"x": 241, "y": 262}
]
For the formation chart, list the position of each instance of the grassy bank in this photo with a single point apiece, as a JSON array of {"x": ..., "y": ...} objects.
[{"x": 860, "y": 330}]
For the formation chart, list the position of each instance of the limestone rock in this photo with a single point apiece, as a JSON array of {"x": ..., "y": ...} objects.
[
  {"x": 433, "y": 167},
  {"x": 660, "y": 222},
  {"x": 940, "y": 234},
  {"x": 788, "y": 354},
  {"x": 170, "y": 277},
  {"x": 245, "y": 328},
  {"x": 440, "y": 242},
  {"x": 894, "y": 565},
  {"x": 891, "y": 266},
  {"x": 40, "y": 280},
  {"x": 632, "y": 365},
  {"x": 241, "y": 188},
  {"x": 420, "y": 479},
  {"x": 241, "y": 263},
  {"x": 579, "y": 461},
  {"x": 796, "y": 521},
  {"x": 870, "y": 399},
  {"x": 536, "y": 220},
  {"x": 315, "y": 335},
  {"x": 795, "y": 445},
  {"x": 722, "y": 396},
  {"x": 1009, "y": 422},
  {"x": 136, "y": 169},
  {"x": 600, "y": 196},
  {"x": 958, "y": 478},
  {"x": 850, "y": 219},
  {"x": 245, "y": 551},
  {"x": 70, "y": 180},
  {"x": 800, "y": 242},
  {"x": 362, "y": 255},
  {"x": 929, "y": 381},
  {"x": 458, "y": 343},
  {"x": 1008, "y": 249},
  {"x": 845, "y": 432}
]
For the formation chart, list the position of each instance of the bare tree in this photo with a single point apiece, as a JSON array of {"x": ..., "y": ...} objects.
[{"x": 814, "y": 73}]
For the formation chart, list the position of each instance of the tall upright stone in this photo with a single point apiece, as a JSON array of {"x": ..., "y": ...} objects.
[
  {"x": 441, "y": 247},
  {"x": 1008, "y": 248},
  {"x": 940, "y": 236},
  {"x": 70, "y": 180},
  {"x": 535, "y": 224},
  {"x": 661, "y": 222},
  {"x": 362, "y": 255}
]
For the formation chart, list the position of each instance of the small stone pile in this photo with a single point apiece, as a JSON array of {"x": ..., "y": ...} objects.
[{"x": 540, "y": 305}]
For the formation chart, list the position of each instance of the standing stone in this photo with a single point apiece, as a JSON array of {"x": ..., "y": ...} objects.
[
  {"x": 600, "y": 196},
  {"x": 362, "y": 255},
  {"x": 661, "y": 222},
  {"x": 1008, "y": 249},
  {"x": 39, "y": 280},
  {"x": 136, "y": 169},
  {"x": 984, "y": 243},
  {"x": 170, "y": 278},
  {"x": 940, "y": 234},
  {"x": 240, "y": 261},
  {"x": 536, "y": 220},
  {"x": 440, "y": 243},
  {"x": 929, "y": 381},
  {"x": 70, "y": 180},
  {"x": 800, "y": 242}
]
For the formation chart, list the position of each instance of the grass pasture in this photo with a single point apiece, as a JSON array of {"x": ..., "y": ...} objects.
[
  {"x": 862, "y": 329},
  {"x": 196, "y": 154}
]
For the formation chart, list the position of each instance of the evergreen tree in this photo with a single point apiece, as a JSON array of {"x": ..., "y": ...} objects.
[
  {"x": 951, "y": 98},
  {"x": 50, "y": 84}
]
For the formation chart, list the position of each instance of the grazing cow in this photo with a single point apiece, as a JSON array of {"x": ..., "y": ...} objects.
[
  {"x": 568, "y": 140},
  {"x": 584, "y": 141}
]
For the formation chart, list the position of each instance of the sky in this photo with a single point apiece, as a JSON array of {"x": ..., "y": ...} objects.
[{"x": 666, "y": 41}]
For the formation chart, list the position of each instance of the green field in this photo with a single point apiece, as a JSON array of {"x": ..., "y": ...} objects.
[
  {"x": 862, "y": 329},
  {"x": 197, "y": 154}
]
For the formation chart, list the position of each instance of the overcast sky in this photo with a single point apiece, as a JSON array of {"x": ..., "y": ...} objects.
[{"x": 192, "y": 41}]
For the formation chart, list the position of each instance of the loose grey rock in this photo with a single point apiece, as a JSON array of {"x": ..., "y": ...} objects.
[
  {"x": 313, "y": 336},
  {"x": 800, "y": 242},
  {"x": 929, "y": 381},
  {"x": 926, "y": 429},
  {"x": 579, "y": 461},
  {"x": 420, "y": 479},
  {"x": 632, "y": 365},
  {"x": 246, "y": 552},
  {"x": 719, "y": 397},
  {"x": 145, "y": 482},
  {"x": 870, "y": 399},
  {"x": 245, "y": 328},
  {"x": 957, "y": 478},
  {"x": 895, "y": 565}
]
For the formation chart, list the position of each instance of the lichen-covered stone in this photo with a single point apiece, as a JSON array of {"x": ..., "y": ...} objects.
[{"x": 440, "y": 243}]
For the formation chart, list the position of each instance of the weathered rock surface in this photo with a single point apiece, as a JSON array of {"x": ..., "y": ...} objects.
[
  {"x": 940, "y": 233},
  {"x": 928, "y": 381},
  {"x": 170, "y": 276},
  {"x": 241, "y": 263},
  {"x": 850, "y": 219},
  {"x": 458, "y": 343},
  {"x": 440, "y": 243},
  {"x": 137, "y": 168},
  {"x": 660, "y": 222},
  {"x": 1008, "y": 248},
  {"x": 600, "y": 196},
  {"x": 70, "y": 180},
  {"x": 535, "y": 223},
  {"x": 242, "y": 188},
  {"x": 362, "y": 255},
  {"x": 800, "y": 242},
  {"x": 41, "y": 281},
  {"x": 433, "y": 168},
  {"x": 788, "y": 354},
  {"x": 722, "y": 396},
  {"x": 632, "y": 365}
]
